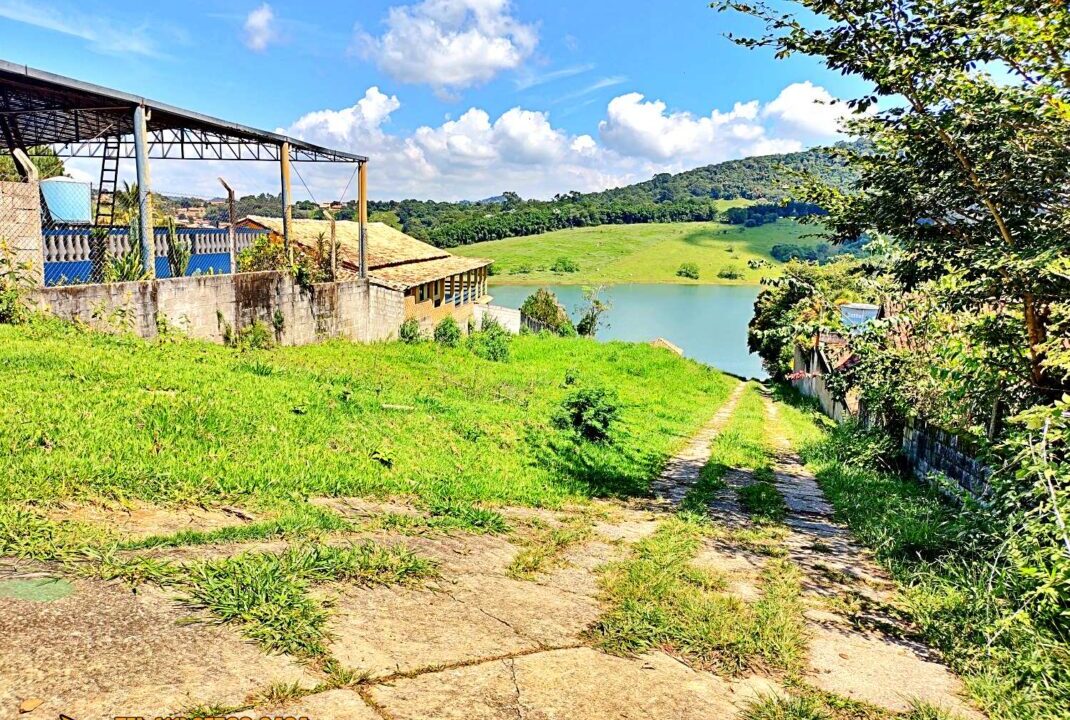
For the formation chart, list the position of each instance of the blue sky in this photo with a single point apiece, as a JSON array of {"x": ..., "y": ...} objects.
[{"x": 450, "y": 98}]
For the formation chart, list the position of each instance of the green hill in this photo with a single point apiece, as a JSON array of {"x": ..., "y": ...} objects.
[
  {"x": 699, "y": 195},
  {"x": 651, "y": 253},
  {"x": 767, "y": 177}
]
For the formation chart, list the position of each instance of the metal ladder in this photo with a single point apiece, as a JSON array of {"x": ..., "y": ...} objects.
[{"x": 109, "y": 183}]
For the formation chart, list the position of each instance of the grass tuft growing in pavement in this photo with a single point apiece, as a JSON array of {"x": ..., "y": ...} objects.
[
  {"x": 445, "y": 515},
  {"x": 297, "y": 520},
  {"x": 807, "y": 702},
  {"x": 267, "y": 594},
  {"x": 743, "y": 443},
  {"x": 761, "y": 499},
  {"x": 658, "y": 599},
  {"x": 544, "y": 549},
  {"x": 791, "y": 708}
]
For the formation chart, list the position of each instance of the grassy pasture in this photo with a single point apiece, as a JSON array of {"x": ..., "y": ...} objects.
[{"x": 615, "y": 254}]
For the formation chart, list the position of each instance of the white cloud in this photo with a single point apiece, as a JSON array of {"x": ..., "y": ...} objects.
[
  {"x": 476, "y": 154},
  {"x": 635, "y": 126},
  {"x": 109, "y": 36},
  {"x": 351, "y": 125},
  {"x": 260, "y": 28},
  {"x": 808, "y": 107},
  {"x": 450, "y": 44},
  {"x": 530, "y": 80}
]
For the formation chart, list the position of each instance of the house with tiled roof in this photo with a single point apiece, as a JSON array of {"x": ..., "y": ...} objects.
[
  {"x": 434, "y": 282},
  {"x": 828, "y": 353}
]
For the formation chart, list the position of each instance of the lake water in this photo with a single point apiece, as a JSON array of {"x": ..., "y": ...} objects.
[{"x": 708, "y": 321}]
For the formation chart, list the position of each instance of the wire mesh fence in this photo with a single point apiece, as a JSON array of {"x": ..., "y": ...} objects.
[{"x": 74, "y": 232}]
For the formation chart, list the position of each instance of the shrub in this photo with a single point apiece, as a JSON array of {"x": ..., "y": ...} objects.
[
  {"x": 251, "y": 337},
  {"x": 522, "y": 269},
  {"x": 409, "y": 331},
  {"x": 178, "y": 250},
  {"x": 688, "y": 270},
  {"x": 565, "y": 265},
  {"x": 591, "y": 315},
  {"x": 14, "y": 280},
  {"x": 448, "y": 332},
  {"x": 730, "y": 272},
  {"x": 265, "y": 253},
  {"x": 590, "y": 412},
  {"x": 491, "y": 342},
  {"x": 542, "y": 305}
]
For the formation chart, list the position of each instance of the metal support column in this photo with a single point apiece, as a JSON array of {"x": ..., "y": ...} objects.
[
  {"x": 362, "y": 216},
  {"x": 144, "y": 199},
  {"x": 232, "y": 239},
  {"x": 287, "y": 200}
]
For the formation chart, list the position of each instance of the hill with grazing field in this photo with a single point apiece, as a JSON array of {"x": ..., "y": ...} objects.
[{"x": 650, "y": 253}]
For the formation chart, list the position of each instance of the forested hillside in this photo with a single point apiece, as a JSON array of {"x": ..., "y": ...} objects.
[
  {"x": 714, "y": 192},
  {"x": 769, "y": 177},
  {"x": 702, "y": 194}
]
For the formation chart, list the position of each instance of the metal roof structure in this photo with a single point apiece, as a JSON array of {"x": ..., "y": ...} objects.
[{"x": 75, "y": 118}]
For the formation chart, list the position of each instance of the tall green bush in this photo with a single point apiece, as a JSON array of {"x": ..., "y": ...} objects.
[
  {"x": 409, "y": 331},
  {"x": 542, "y": 306},
  {"x": 448, "y": 332},
  {"x": 590, "y": 412},
  {"x": 491, "y": 342}
]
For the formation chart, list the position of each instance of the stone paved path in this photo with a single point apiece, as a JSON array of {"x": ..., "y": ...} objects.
[
  {"x": 683, "y": 470},
  {"x": 476, "y": 644},
  {"x": 868, "y": 655}
]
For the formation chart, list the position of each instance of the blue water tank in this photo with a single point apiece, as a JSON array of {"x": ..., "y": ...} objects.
[
  {"x": 69, "y": 201},
  {"x": 858, "y": 314}
]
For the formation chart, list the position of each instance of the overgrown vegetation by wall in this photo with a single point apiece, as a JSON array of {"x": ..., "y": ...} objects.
[
  {"x": 962, "y": 189},
  {"x": 959, "y": 565}
]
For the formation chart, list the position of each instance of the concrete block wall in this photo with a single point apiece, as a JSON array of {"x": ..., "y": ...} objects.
[
  {"x": 210, "y": 307},
  {"x": 20, "y": 225},
  {"x": 930, "y": 450},
  {"x": 508, "y": 318}
]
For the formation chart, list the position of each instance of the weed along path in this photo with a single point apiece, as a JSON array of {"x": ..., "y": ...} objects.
[{"x": 727, "y": 592}]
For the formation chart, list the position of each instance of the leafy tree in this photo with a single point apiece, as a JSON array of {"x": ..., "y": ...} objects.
[
  {"x": 591, "y": 313},
  {"x": 969, "y": 173},
  {"x": 542, "y": 305},
  {"x": 48, "y": 165},
  {"x": 796, "y": 307}
]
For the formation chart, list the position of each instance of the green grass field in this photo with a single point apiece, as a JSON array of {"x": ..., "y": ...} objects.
[
  {"x": 616, "y": 254},
  {"x": 90, "y": 416}
]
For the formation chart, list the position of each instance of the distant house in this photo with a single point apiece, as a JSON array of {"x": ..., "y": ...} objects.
[
  {"x": 830, "y": 352},
  {"x": 434, "y": 283}
]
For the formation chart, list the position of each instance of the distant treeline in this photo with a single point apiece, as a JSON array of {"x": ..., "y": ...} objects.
[
  {"x": 537, "y": 219},
  {"x": 762, "y": 213},
  {"x": 820, "y": 253},
  {"x": 691, "y": 196}
]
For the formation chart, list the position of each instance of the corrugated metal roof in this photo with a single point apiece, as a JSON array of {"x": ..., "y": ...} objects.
[{"x": 52, "y": 109}]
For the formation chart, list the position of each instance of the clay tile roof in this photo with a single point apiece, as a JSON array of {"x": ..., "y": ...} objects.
[
  {"x": 386, "y": 246},
  {"x": 417, "y": 273},
  {"x": 394, "y": 259}
]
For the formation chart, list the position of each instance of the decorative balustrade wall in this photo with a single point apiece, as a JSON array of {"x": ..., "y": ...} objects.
[{"x": 68, "y": 251}]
